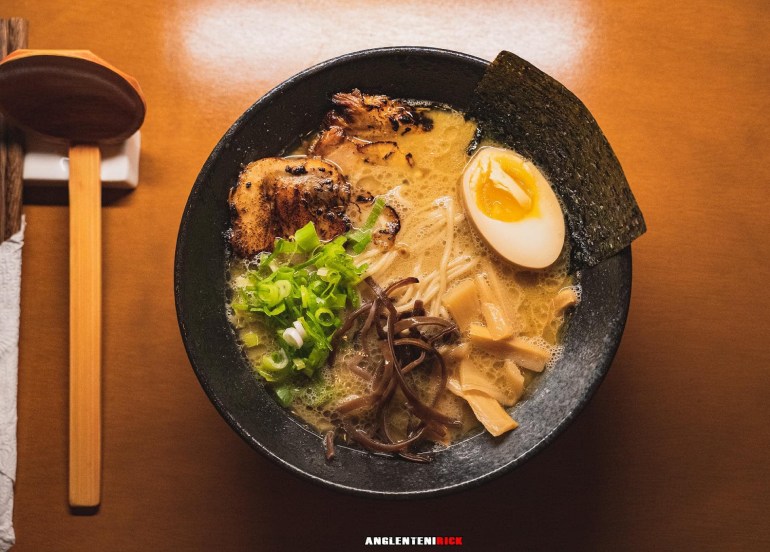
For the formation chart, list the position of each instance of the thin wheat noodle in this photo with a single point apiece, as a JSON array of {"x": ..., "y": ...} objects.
[
  {"x": 447, "y": 253},
  {"x": 430, "y": 295},
  {"x": 428, "y": 280},
  {"x": 383, "y": 264}
]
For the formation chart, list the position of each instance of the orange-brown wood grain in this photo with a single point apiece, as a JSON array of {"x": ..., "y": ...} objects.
[
  {"x": 673, "y": 452},
  {"x": 85, "y": 436}
]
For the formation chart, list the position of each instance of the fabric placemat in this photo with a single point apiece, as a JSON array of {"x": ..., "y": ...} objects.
[{"x": 10, "y": 288}]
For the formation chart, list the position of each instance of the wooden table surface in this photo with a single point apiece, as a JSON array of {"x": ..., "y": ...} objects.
[{"x": 673, "y": 452}]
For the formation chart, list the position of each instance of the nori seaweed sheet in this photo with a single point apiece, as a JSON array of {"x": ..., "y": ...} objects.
[{"x": 521, "y": 107}]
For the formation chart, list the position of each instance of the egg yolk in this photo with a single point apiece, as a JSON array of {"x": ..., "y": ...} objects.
[{"x": 505, "y": 190}]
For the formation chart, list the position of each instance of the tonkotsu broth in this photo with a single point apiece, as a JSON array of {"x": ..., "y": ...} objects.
[{"x": 421, "y": 195}]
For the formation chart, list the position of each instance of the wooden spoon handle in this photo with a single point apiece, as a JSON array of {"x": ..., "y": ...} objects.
[{"x": 85, "y": 195}]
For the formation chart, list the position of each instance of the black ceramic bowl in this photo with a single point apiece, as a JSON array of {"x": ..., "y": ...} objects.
[{"x": 292, "y": 109}]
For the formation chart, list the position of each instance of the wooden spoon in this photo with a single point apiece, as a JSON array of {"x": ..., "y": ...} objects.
[{"x": 76, "y": 97}]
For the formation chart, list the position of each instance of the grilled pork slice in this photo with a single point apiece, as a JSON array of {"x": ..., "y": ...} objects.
[
  {"x": 346, "y": 152},
  {"x": 374, "y": 117},
  {"x": 275, "y": 197}
]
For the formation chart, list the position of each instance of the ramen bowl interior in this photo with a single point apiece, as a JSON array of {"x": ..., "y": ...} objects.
[{"x": 268, "y": 128}]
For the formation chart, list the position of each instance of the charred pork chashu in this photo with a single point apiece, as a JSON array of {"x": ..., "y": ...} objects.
[
  {"x": 275, "y": 196},
  {"x": 364, "y": 127},
  {"x": 335, "y": 145},
  {"x": 374, "y": 117}
]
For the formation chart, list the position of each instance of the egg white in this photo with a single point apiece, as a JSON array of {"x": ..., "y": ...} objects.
[{"x": 536, "y": 240}]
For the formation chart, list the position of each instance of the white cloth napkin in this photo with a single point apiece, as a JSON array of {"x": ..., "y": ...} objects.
[{"x": 10, "y": 287}]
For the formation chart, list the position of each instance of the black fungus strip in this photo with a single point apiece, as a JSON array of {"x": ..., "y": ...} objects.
[
  {"x": 329, "y": 444},
  {"x": 401, "y": 354},
  {"x": 361, "y": 437}
]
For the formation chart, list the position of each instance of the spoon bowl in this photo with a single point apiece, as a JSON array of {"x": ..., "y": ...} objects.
[{"x": 70, "y": 95}]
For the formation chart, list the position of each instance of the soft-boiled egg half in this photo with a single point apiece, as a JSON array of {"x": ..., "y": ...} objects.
[{"x": 513, "y": 207}]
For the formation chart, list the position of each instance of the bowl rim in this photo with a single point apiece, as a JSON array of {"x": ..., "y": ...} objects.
[{"x": 624, "y": 257}]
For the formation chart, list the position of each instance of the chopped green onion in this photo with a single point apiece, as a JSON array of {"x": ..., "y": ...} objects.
[
  {"x": 317, "y": 357},
  {"x": 292, "y": 337},
  {"x": 285, "y": 246},
  {"x": 361, "y": 243},
  {"x": 284, "y": 288},
  {"x": 285, "y": 394},
  {"x": 336, "y": 301},
  {"x": 299, "y": 291},
  {"x": 297, "y": 324},
  {"x": 325, "y": 317},
  {"x": 361, "y": 237},
  {"x": 273, "y": 366},
  {"x": 306, "y": 238},
  {"x": 269, "y": 294},
  {"x": 275, "y": 360},
  {"x": 250, "y": 339},
  {"x": 317, "y": 287},
  {"x": 374, "y": 214},
  {"x": 330, "y": 275},
  {"x": 304, "y": 296},
  {"x": 315, "y": 331}
]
